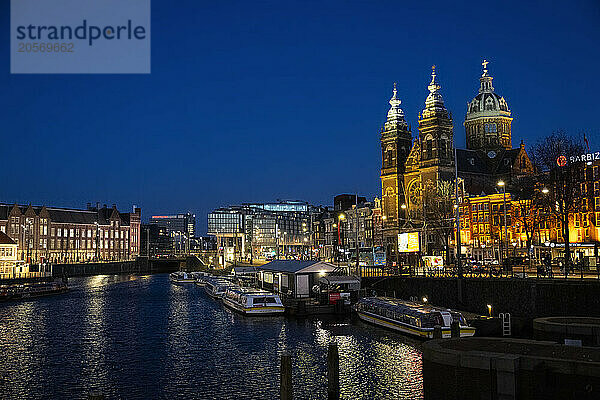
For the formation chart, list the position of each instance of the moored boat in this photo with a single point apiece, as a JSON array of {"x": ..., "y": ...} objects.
[
  {"x": 181, "y": 277},
  {"x": 31, "y": 290},
  {"x": 217, "y": 287},
  {"x": 202, "y": 277},
  {"x": 249, "y": 301},
  {"x": 412, "y": 318}
]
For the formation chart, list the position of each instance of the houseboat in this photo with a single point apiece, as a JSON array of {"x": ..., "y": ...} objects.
[
  {"x": 180, "y": 277},
  {"x": 412, "y": 318},
  {"x": 30, "y": 290},
  {"x": 253, "y": 302},
  {"x": 216, "y": 288}
]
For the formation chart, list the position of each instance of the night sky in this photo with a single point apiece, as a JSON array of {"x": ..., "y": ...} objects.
[{"x": 258, "y": 101}]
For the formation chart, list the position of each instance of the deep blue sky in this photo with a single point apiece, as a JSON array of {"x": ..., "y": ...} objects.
[{"x": 257, "y": 101}]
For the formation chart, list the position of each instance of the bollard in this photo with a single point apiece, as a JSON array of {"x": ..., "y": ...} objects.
[
  {"x": 286, "y": 377},
  {"x": 333, "y": 372},
  {"x": 437, "y": 332},
  {"x": 454, "y": 329}
]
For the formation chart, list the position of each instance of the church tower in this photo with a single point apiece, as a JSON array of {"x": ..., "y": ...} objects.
[
  {"x": 432, "y": 156},
  {"x": 488, "y": 121},
  {"x": 396, "y": 140}
]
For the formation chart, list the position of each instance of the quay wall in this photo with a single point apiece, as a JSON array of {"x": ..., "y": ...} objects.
[
  {"x": 524, "y": 298},
  {"x": 493, "y": 368},
  {"x": 139, "y": 266}
]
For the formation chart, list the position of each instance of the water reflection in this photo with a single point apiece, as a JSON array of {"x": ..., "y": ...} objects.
[{"x": 141, "y": 337}]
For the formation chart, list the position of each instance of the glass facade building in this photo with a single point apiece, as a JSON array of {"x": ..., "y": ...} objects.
[{"x": 262, "y": 230}]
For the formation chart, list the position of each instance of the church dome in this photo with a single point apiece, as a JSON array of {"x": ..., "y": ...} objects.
[
  {"x": 488, "y": 121},
  {"x": 487, "y": 102}
]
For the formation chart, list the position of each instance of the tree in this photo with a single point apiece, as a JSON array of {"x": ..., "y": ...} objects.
[
  {"x": 531, "y": 203},
  {"x": 555, "y": 156},
  {"x": 438, "y": 209}
]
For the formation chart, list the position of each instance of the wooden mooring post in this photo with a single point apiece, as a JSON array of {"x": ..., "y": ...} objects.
[
  {"x": 286, "y": 392},
  {"x": 333, "y": 372},
  {"x": 437, "y": 332},
  {"x": 454, "y": 329}
]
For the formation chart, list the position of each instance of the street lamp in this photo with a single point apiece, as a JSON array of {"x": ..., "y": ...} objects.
[
  {"x": 383, "y": 218},
  {"x": 503, "y": 186},
  {"x": 341, "y": 217}
]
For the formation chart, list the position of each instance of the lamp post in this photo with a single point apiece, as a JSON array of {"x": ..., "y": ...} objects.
[
  {"x": 341, "y": 217},
  {"x": 403, "y": 207},
  {"x": 503, "y": 186},
  {"x": 305, "y": 239},
  {"x": 383, "y": 218}
]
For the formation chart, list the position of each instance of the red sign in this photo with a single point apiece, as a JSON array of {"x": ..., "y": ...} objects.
[
  {"x": 561, "y": 161},
  {"x": 333, "y": 297}
]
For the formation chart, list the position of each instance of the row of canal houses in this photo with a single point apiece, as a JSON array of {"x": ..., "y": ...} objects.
[{"x": 59, "y": 235}]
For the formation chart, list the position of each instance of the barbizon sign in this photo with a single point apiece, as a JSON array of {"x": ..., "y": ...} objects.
[{"x": 562, "y": 160}]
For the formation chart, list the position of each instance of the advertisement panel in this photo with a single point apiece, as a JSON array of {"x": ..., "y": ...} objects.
[
  {"x": 379, "y": 256},
  {"x": 408, "y": 242},
  {"x": 436, "y": 262}
]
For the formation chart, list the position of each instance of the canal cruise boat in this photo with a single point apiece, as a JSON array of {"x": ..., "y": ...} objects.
[
  {"x": 412, "y": 318},
  {"x": 216, "y": 288},
  {"x": 249, "y": 301},
  {"x": 180, "y": 277},
  {"x": 202, "y": 277}
]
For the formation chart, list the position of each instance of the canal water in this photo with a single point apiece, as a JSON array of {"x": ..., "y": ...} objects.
[{"x": 141, "y": 337}]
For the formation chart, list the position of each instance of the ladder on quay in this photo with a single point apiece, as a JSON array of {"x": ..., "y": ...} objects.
[{"x": 506, "y": 324}]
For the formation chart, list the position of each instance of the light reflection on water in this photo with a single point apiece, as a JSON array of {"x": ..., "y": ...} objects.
[{"x": 141, "y": 337}]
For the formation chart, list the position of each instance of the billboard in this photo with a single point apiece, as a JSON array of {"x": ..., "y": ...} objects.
[
  {"x": 379, "y": 256},
  {"x": 409, "y": 242}
]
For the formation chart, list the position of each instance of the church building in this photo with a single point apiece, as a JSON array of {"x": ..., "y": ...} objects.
[{"x": 413, "y": 167}]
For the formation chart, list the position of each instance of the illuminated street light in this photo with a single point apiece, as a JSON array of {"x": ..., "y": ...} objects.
[
  {"x": 424, "y": 299},
  {"x": 545, "y": 191},
  {"x": 503, "y": 186},
  {"x": 489, "y": 306},
  {"x": 403, "y": 206}
]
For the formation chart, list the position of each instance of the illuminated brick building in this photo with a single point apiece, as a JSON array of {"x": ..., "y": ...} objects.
[
  {"x": 482, "y": 224},
  {"x": 57, "y": 235}
]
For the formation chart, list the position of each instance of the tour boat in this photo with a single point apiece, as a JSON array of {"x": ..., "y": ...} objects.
[
  {"x": 202, "y": 278},
  {"x": 181, "y": 277},
  {"x": 30, "y": 290},
  {"x": 250, "y": 301},
  {"x": 217, "y": 287},
  {"x": 409, "y": 317}
]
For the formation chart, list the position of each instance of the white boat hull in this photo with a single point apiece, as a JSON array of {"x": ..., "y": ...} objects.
[
  {"x": 424, "y": 333},
  {"x": 260, "y": 311}
]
